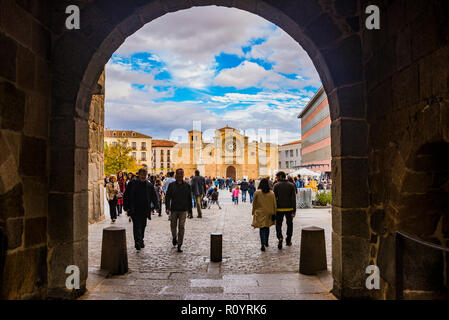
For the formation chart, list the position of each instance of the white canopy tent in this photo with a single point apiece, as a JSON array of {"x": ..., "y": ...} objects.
[{"x": 305, "y": 172}]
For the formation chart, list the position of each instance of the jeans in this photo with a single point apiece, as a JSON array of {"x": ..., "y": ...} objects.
[
  {"x": 113, "y": 208},
  {"x": 235, "y": 200},
  {"x": 177, "y": 223},
  {"x": 280, "y": 220},
  {"x": 139, "y": 225},
  {"x": 251, "y": 196},
  {"x": 211, "y": 202},
  {"x": 198, "y": 199},
  {"x": 243, "y": 195},
  {"x": 193, "y": 201},
  {"x": 264, "y": 235}
]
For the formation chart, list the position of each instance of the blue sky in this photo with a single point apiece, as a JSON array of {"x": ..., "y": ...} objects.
[{"x": 221, "y": 66}]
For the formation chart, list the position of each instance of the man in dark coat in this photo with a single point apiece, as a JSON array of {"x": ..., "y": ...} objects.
[
  {"x": 178, "y": 202},
  {"x": 285, "y": 193},
  {"x": 140, "y": 198},
  {"x": 198, "y": 184},
  {"x": 244, "y": 187}
]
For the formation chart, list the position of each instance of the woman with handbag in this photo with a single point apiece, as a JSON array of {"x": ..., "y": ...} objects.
[
  {"x": 264, "y": 211},
  {"x": 112, "y": 189},
  {"x": 122, "y": 185}
]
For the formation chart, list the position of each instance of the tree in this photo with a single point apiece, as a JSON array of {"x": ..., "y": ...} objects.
[{"x": 117, "y": 158}]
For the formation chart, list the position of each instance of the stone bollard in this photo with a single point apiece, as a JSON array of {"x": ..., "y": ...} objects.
[
  {"x": 216, "y": 240},
  {"x": 313, "y": 251},
  {"x": 114, "y": 254}
]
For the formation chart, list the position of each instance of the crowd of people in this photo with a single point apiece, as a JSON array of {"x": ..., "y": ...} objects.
[{"x": 142, "y": 195}]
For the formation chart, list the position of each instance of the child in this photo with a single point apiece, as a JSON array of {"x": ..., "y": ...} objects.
[
  {"x": 235, "y": 195},
  {"x": 214, "y": 198}
]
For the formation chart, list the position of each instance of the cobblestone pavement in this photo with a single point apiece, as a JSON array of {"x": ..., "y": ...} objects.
[{"x": 159, "y": 272}]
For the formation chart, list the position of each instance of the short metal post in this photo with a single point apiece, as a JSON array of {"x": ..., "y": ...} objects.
[{"x": 216, "y": 247}]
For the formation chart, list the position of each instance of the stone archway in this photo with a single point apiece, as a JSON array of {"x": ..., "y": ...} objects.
[
  {"x": 78, "y": 60},
  {"x": 231, "y": 173}
]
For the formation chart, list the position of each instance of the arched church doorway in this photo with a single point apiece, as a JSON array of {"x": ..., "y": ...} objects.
[{"x": 231, "y": 172}]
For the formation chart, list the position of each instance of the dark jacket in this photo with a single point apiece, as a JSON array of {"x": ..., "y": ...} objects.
[
  {"x": 179, "y": 197},
  {"x": 285, "y": 193},
  {"x": 251, "y": 188},
  {"x": 244, "y": 186},
  {"x": 129, "y": 199},
  {"x": 198, "y": 185}
]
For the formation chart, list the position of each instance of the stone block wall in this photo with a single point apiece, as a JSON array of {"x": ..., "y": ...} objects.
[
  {"x": 96, "y": 154},
  {"x": 25, "y": 84},
  {"x": 407, "y": 88}
]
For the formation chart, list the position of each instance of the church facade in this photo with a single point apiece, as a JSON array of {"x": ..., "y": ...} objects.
[{"x": 230, "y": 154}]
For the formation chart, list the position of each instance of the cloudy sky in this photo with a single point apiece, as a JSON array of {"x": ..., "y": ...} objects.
[{"x": 222, "y": 66}]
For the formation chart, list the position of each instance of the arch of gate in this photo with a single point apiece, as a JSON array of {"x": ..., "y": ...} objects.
[{"x": 330, "y": 33}]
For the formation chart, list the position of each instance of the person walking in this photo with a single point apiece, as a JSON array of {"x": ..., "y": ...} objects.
[
  {"x": 122, "y": 185},
  {"x": 244, "y": 187},
  {"x": 112, "y": 189},
  {"x": 252, "y": 190},
  {"x": 264, "y": 211},
  {"x": 285, "y": 193},
  {"x": 214, "y": 198},
  {"x": 169, "y": 180},
  {"x": 140, "y": 197},
  {"x": 160, "y": 195},
  {"x": 301, "y": 183},
  {"x": 235, "y": 195},
  {"x": 178, "y": 204},
  {"x": 198, "y": 184}
]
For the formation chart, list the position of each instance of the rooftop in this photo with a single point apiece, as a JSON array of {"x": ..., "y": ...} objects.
[
  {"x": 163, "y": 143},
  {"x": 294, "y": 142},
  {"x": 124, "y": 134}
]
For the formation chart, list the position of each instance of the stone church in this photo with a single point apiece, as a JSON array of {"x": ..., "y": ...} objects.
[{"x": 230, "y": 154}]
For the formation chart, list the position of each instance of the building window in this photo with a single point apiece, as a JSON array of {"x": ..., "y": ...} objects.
[
  {"x": 280, "y": 164},
  {"x": 144, "y": 146},
  {"x": 286, "y": 164},
  {"x": 286, "y": 153},
  {"x": 134, "y": 155},
  {"x": 143, "y": 156},
  {"x": 133, "y": 134},
  {"x": 123, "y": 134},
  {"x": 297, "y": 152},
  {"x": 134, "y": 145},
  {"x": 253, "y": 153},
  {"x": 291, "y": 153},
  {"x": 291, "y": 164},
  {"x": 124, "y": 143}
]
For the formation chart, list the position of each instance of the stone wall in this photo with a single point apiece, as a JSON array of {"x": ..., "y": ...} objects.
[
  {"x": 96, "y": 150},
  {"x": 407, "y": 85},
  {"x": 25, "y": 88}
]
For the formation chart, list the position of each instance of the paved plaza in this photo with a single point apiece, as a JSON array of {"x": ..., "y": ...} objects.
[{"x": 159, "y": 272}]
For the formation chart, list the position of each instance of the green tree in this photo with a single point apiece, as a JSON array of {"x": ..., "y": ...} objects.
[{"x": 118, "y": 158}]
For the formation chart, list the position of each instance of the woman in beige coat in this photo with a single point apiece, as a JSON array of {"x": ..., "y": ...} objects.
[
  {"x": 112, "y": 189},
  {"x": 264, "y": 208}
]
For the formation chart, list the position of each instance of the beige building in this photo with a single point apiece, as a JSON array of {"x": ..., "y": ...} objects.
[
  {"x": 230, "y": 154},
  {"x": 141, "y": 144},
  {"x": 161, "y": 159},
  {"x": 290, "y": 156}
]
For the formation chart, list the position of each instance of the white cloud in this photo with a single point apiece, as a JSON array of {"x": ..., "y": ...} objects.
[
  {"x": 288, "y": 57},
  {"x": 189, "y": 40}
]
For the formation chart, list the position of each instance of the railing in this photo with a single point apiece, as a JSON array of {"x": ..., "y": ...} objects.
[{"x": 399, "y": 258}]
